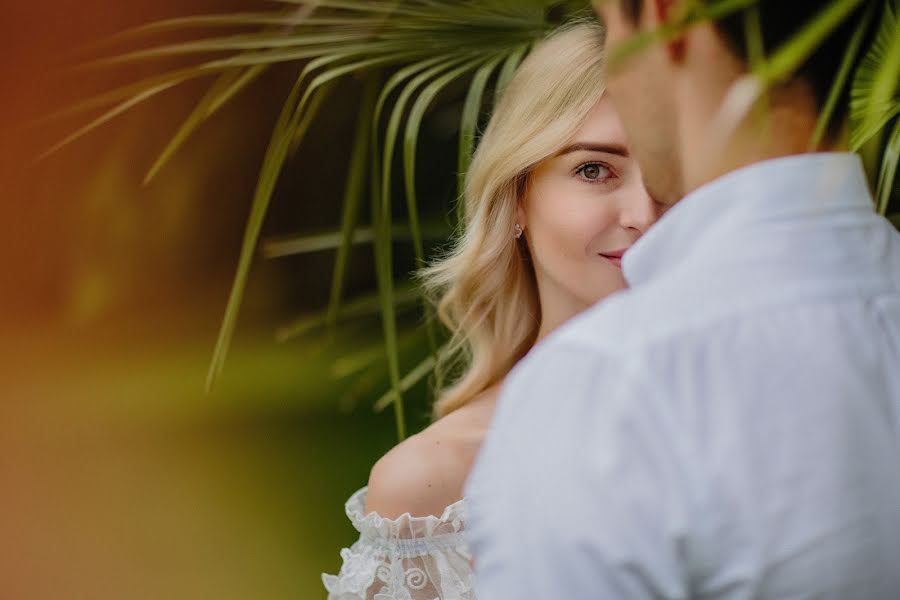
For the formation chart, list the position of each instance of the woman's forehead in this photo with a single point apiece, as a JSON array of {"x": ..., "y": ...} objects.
[{"x": 602, "y": 125}]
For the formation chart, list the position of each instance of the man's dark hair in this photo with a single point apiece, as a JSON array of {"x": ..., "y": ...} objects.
[
  {"x": 781, "y": 19},
  {"x": 632, "y": 8}
]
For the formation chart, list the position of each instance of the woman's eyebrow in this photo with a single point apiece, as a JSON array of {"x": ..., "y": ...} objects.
[{"x": 617, "y": 149}]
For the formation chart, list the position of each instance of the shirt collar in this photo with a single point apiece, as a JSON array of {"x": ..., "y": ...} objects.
[{"x": 791, "y": 187}]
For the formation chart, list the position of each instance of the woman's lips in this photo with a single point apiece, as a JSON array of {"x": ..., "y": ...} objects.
[
  {"x": 614, "y": 256},
  {"x": 613, "y": 259}
]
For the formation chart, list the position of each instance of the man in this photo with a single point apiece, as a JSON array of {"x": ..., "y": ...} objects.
[{"x": 730, "y": 426}]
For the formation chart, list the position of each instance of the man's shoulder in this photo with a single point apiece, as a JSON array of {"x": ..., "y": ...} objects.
[
  {"x": 608, "y": 338},
  {"x": 622, "y": 322}
]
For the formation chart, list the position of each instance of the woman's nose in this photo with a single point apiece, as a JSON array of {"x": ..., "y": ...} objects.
[{"x": 639, "y": 210}]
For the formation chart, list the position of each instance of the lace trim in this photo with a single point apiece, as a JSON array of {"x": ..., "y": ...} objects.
[
  {"x": 411, "y": 548},
  {"x": 405, "y": 527},
  {"x": 407, "y": 558}
]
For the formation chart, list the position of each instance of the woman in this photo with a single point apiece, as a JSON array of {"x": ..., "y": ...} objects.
[{"x": 553, "y": 200}]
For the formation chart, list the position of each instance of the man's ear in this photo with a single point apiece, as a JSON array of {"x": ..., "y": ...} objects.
[{"x": 664, "y": 12}]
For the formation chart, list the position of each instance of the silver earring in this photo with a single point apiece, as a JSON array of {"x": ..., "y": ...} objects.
[{"x": 518, "y": 230}]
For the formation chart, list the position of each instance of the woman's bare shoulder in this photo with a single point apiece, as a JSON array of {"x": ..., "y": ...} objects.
[
  {"x": 426, "y": 472},
  {"x": 412, "y": 478}
]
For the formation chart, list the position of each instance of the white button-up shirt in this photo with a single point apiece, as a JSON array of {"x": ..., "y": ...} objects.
[{"x": 727, "y": 428}]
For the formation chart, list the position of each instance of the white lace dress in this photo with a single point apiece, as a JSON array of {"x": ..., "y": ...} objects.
[{"x": 408, "y": 558}]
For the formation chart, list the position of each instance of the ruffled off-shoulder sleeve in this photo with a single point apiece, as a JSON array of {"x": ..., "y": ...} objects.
[{"x": 408, "y": 558}]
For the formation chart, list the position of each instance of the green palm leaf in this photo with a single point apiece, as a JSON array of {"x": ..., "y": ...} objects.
[
  {"x": 410, "y": 379},
  {"x": 253, "y": 41},
  {"x": 509, "y": 68},
  {"x": 352, "y": 197},
  {"x": 469, "y": 121},
  {"x": 242, "y": 19},
  {"x": 226, "y": 86},
  {"x": 127, "y": 92},
  {"x": 888, "y": 172},
  {"x": 432, "y": 229},
  {"x": 136, "y": 93},
  {"x": 369, "y": 305},
  {"x": 371, "y": 357},
  {"x": 786, "y": 59},
  {"x": 382, "y": 216},
  {"x": 394, "y": 8},
  {"x": 875, "y": 95},
  {"x": 274, "y": 158},
  {"x": 843, "y": 75},
  {"x": 110, "y": 114},
  {"x": 283, "y": 136},
  {"x": 413, "y": 123}
]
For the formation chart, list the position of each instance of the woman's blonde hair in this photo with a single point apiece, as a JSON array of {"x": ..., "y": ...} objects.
[{"x": 485, "y": 287}]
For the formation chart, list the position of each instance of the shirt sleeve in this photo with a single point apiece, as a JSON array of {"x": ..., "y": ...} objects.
[
  {"x": 408, "y": 558},
  {"x": 582, "y": 489}
]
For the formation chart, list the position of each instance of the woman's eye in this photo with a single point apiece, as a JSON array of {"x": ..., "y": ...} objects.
[{"x": 594, "y": 171}]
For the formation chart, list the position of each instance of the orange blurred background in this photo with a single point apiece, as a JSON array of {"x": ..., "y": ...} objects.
[{"x": 120, "y": 478}]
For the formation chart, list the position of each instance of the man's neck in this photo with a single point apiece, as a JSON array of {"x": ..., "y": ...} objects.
[{"x": 781, "y": 124}]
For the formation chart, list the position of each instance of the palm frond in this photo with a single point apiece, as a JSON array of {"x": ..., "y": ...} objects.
[
  {"x": 315, "y": 103},
  {"x": 438, "y": 70},
  {"x": 274, "y": 158},
  {"x": 283, "y": 136},
  {"x": 469, "y": 121},
  {"x": 746, "y": 92},
  {"x": 109, "y": 115},
  {"x": 888, "y": 172},
  {"x": 786, "y": 59},
  {"x": 371, "y": 357},
  {"x": 292, "y": 245},
  {"x": 226, "y": 86},
  {"x": 352, "y": 197},
  {"x": 233, "y": 20},
  {"x": 127, "y": 92},
  {"x": 413, "y": 123},
  {"x": 843, "y": 75},
  {"x": 471, "y": 111},
  {"x": 409, "y": 380},
  {"x": 366, "y": 306},
  {"x": 875, "y": 95},
  {"x": 393, "y": 126},
  {"x": 509, "y": 68},
  {"x": 382, "y": 216},
  {"x": 322, "y": 42},
  {"x": 385, "y": 282},
  {"x": 392, "y": 8}
]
